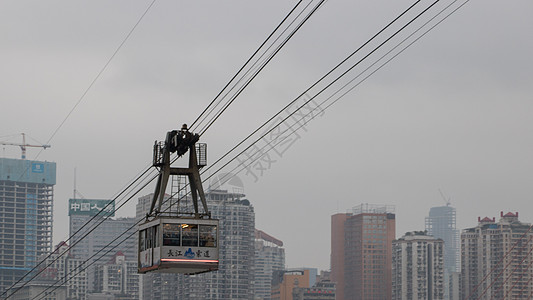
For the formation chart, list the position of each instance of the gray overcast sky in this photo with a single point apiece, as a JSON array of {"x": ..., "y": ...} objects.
[{"x": 454, "y": 112}]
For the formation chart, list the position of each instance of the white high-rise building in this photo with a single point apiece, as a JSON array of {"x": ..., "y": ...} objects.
[
  {"x": 417, "y": 267},
  {"x": 496, "y": 259},
  {"x": 269, "y": 257},
  {"x": 118, "y": 277}
]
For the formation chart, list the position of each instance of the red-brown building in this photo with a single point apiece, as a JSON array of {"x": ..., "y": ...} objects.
[{"x": 361, "y": 252}]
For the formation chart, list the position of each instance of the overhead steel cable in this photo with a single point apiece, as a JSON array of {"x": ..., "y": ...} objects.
[
  {"x": 520, "y": 278},
  {"x": 259, "y": 61},
  {"x": 304, "y": 117},
  {"x": 246, "y": 63},
  {"x": 278, "y": 48},
  {"x": 99, "y": 74},
  {"x": 395, "y": 55},
  {"x": 321, "y": 79},
  {"x": 526, "y": 285},
  {"x": 493, "y": 281},
  {"x": 327, "y": 86},
  {"x": 514, "y": 269}
]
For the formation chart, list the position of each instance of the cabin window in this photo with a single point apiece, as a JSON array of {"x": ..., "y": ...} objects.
[
  {"x": 208, "y": 235},
  {"x": 189, "y": 235},
  {"x": 171, "y": 234}
]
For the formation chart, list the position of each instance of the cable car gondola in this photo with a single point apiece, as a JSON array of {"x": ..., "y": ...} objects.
[{"x": 171, "y": 241}]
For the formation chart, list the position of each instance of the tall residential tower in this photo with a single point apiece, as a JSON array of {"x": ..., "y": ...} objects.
[
  {"x": 417, "y": 267},
  {"x": 496, "y": 259}
]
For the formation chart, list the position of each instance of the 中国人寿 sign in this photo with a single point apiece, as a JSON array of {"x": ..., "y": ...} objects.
[{"x": 91, "y": 207}]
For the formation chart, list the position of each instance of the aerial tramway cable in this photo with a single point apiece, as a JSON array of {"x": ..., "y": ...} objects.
[
  {"x": 261, "y": 67},
  {"x": 244, "y": 66}
]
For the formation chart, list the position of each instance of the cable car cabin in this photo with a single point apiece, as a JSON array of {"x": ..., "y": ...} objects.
[{"x": 178, "y": 245}]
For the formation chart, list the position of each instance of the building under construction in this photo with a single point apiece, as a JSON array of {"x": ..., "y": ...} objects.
[
  {"x": 441, "y": 223},
  {"x": 26, "y": 202}
]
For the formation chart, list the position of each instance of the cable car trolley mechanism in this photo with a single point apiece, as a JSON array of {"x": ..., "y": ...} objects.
[{"x": 174, "y": 241}]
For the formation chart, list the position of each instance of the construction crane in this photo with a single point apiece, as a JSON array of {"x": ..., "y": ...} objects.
[
  {"x": 445, "y": 198},
  {"x": 24, "y": 145}
]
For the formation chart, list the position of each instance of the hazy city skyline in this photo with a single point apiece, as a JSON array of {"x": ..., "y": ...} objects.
[{"x": 453, "y": 112}]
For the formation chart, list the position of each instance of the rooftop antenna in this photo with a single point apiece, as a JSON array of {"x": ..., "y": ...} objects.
[
  {"x": 445, "y": 197},
  {"x": 76, "y": 192}
]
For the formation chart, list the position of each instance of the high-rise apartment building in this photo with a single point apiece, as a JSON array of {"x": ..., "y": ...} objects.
[
  {"x": 441, "y": 223},
  {"x": 366, "y": 252},
  {"x": 26, "y": 203},
  {"x": 118, "y": 277},
  {"x": 269, "y": 257},
  {"x": 61, "y": 268},
  {"x": 417, "y": 267},
  {"x": 96, "y": 246},
  {"x": 496, "y": 260}
]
